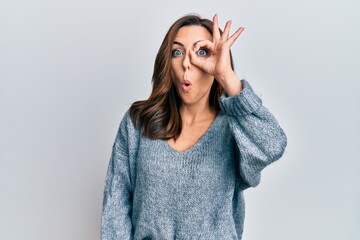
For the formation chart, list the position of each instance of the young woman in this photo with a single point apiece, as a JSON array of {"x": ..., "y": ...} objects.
[{"x": 182, "y": 158}]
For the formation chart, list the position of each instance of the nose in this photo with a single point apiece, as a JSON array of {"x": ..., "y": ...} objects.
[{"x": 186, "y": 61}]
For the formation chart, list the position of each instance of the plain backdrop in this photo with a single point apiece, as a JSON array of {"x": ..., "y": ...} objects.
[{"x": 70, "y": 69}]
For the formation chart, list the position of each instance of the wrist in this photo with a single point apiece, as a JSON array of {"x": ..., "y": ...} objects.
[{"x": 230, "y": 83}]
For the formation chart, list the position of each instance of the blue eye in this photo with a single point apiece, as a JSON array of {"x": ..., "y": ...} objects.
[
  {"x": 176, "y": 53},
  {"x": 202, "y": 52}
]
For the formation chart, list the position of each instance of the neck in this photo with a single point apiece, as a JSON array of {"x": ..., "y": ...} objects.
[{"x": 193, "y": 114}]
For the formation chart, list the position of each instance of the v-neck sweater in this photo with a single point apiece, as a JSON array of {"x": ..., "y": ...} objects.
[{"x": 154, "y": 192}]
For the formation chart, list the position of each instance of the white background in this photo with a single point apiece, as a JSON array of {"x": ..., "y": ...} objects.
[{"x": 70, "y": 69}]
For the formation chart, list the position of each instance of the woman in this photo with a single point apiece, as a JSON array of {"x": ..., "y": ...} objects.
[{"x": 182, "y": 158}]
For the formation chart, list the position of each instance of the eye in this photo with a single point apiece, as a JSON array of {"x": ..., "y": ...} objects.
[
  {"x": 202, "y": 52},
  {"x": 176, "y": 53}
]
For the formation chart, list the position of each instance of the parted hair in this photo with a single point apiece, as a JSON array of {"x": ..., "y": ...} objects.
[{"x": 159, "y": 116}]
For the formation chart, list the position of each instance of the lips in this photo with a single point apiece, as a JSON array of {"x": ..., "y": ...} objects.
[{"x": 186, "y": 85}]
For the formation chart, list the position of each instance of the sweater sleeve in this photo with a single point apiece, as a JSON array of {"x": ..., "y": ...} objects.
[
  {"x": 259, "y": 138},
  {"x": 117, "y": 203}
]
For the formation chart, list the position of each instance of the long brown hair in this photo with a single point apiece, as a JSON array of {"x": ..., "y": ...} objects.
[{"x": 159, "y": 116}]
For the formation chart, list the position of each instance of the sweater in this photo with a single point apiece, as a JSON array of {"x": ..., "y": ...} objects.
[{"x": 155, "y": 192}]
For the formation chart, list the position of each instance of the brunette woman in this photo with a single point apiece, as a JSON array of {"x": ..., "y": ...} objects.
[{"x": 182, "y": 158}]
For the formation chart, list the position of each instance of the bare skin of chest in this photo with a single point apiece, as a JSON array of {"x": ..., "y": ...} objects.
[{"x": 190, "y": 135}]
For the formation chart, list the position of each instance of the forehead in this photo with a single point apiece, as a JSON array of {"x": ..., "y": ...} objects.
[{"x": 191, "y": 34}]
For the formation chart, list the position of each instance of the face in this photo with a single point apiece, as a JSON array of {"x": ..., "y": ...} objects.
[{"x": 192, "y": 84}]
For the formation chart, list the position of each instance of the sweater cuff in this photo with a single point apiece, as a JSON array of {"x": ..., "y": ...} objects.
[{"x": 244, "y": 103}]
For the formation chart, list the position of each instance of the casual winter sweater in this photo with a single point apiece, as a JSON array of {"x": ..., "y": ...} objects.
[{"x": 155, "y": 192}]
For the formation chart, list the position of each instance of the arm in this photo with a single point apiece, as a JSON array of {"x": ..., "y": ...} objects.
[
  {"x": 117, "y": 203},
  {"x": 259, "y": 138}
]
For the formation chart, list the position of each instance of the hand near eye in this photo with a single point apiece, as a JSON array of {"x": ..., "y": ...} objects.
[{"x": 218, "y": 63}]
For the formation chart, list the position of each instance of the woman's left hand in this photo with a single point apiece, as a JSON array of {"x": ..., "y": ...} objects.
[{"x": 217, "y": 63}]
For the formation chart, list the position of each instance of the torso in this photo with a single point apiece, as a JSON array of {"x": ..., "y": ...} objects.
[{"x": 188, "y": 194}]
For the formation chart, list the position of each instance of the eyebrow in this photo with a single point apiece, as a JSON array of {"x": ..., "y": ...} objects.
[{"x": 179, "y": 43}]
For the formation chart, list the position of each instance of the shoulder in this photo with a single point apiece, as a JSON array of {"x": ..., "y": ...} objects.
[
  {"x": 126, "y": 122},
  {"x": 127, "y": 130}
]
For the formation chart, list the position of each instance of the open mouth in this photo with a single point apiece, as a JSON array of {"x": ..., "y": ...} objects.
[{"x": 186, "y": 85}]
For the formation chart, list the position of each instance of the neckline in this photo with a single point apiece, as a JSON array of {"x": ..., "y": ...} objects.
[{"x": 198, "y": 142}]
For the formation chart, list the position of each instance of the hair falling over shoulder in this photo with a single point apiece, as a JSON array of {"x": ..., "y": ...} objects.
[{"x": 159, "y": 116}]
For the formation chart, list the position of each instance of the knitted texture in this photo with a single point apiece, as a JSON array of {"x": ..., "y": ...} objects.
[{"x": 155, "y": 192}]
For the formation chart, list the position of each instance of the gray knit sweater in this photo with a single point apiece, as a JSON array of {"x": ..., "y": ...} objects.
[{"x": 154, "y": 192}]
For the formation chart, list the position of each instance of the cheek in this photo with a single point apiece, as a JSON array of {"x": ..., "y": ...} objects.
[
  {"x": 174, "y": 78},
  {"x": 175, "y": 72},
  {"x": 205, "y": 78}
]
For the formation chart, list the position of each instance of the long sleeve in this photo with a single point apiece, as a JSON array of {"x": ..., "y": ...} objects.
[
  {"x": 259, "y": 138},
  {"x": 117, "y": 203}
]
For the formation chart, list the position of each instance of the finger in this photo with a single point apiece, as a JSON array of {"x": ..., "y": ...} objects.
[
  {"x": 203, "y": 44},
  {"x": 226, "y": 32},
  {"x": 235, "y": 35},
  {"x": 197, "y": 61},
  {"x": 216, "y": 32}
]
